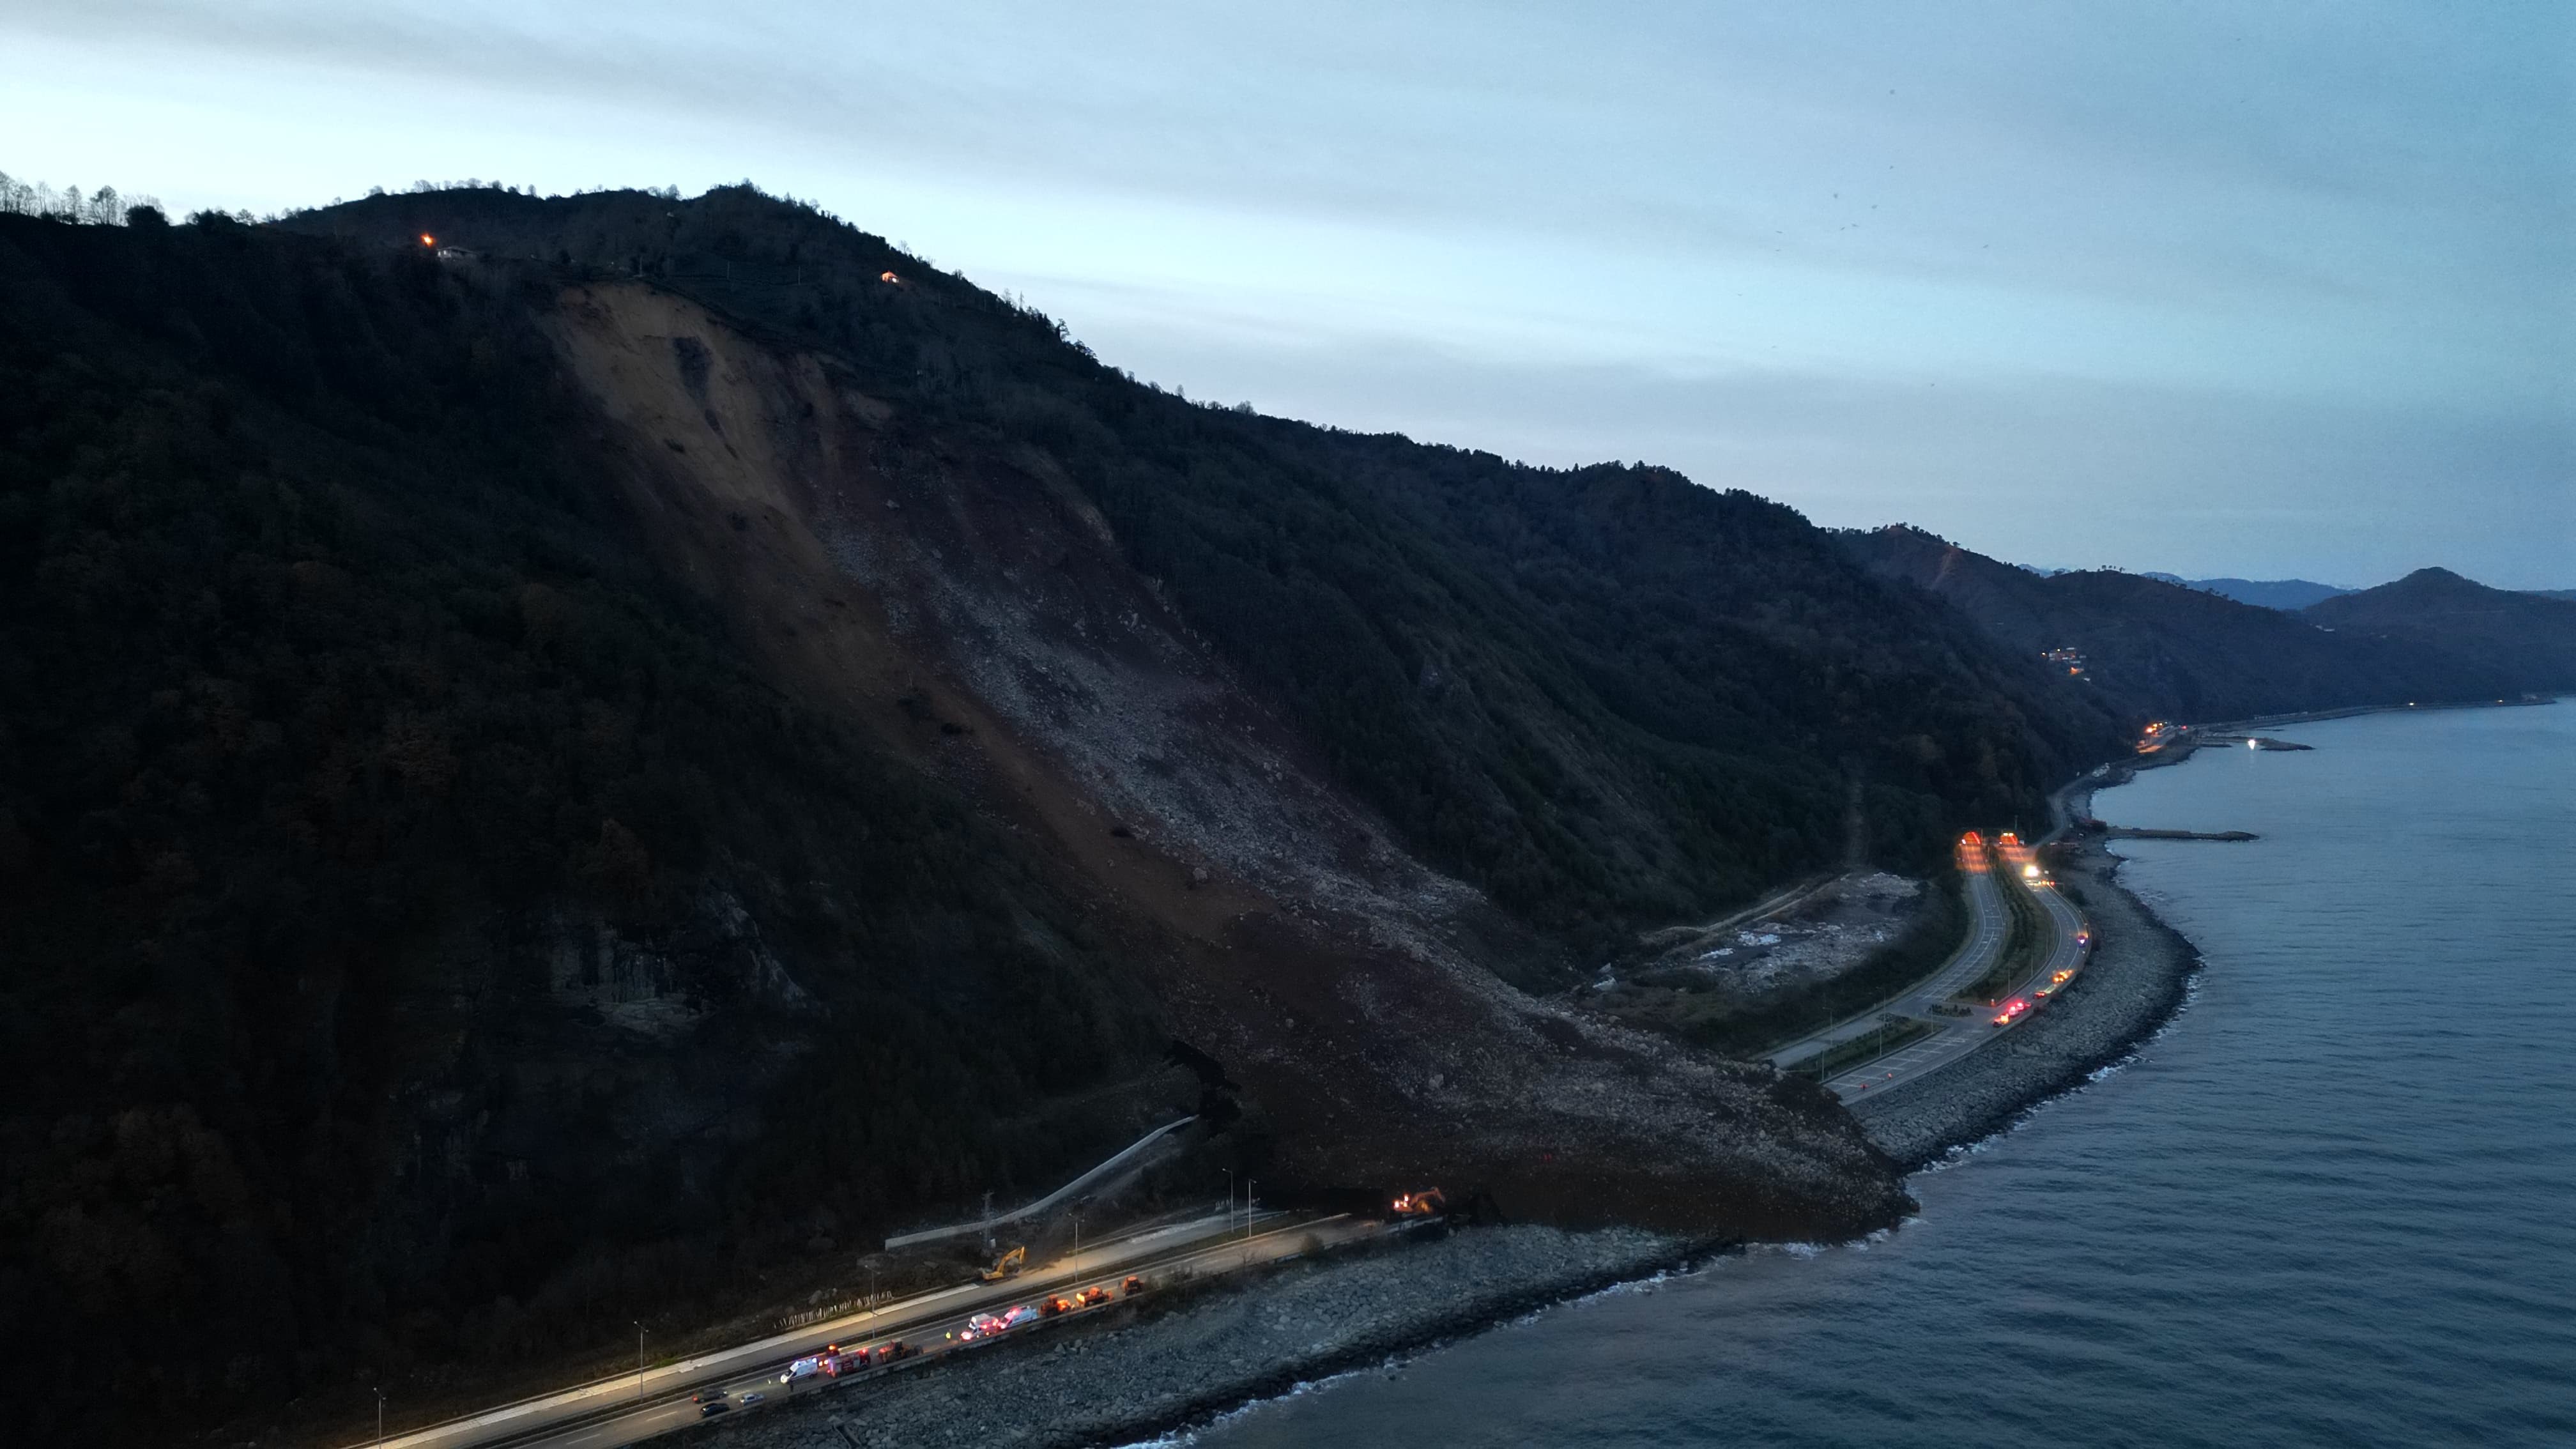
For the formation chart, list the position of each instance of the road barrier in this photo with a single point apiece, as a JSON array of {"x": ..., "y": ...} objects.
[{"x": 1068, "y": 1191}]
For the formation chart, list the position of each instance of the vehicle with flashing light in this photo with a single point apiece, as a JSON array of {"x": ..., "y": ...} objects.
[
  {"x": 838, "y": 1361},
  {"x": 2013, "y": 1011},
  {"x": 990, "y": 1325}
]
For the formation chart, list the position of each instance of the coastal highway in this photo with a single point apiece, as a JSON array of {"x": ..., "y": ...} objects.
[
  {"x": 1989, "y": 926},
  {"x": 631, "y": 1407},
  {"x": 1954, "y": 1037}
]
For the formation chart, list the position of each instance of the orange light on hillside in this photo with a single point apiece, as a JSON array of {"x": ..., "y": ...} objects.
[{"x": 427, "y": 240}]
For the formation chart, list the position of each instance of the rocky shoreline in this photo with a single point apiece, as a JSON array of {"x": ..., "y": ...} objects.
[
  {"x": 1192, "y": 1359},
  {"x": 2140, "y": 971},
  {"x": 1195, "y": 1357}
]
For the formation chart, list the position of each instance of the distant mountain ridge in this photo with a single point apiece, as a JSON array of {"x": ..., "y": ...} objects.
[
  {"x": 2286, "y": 595},
  {"x": 2528, "y": 640},
  {"x": 2158, "y": 649}
]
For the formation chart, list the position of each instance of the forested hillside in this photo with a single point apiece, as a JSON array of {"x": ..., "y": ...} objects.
[
  {"x": 2526, "y": 640},
  {"x": 342, "y": 724},
  {"x": 1603, "y": 695},
  {"x": 2160, "y": 650}
]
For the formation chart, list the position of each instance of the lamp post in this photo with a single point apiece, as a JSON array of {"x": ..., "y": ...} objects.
[
  {"x": 1077, "y": 1240},
  {"x": 639, "y": 1358},
  {"x": 380, "y": 1415},
  {"x": 1229, "y": 1197},
  {"x": 1248, "y": 1186}
]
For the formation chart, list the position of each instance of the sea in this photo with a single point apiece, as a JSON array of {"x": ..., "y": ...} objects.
[{"x": 2332, "y": 1202}]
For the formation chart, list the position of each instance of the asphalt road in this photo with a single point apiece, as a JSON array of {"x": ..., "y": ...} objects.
[
  {"x": 631, "y": 1407},
  {"x": 1954, "y": 1037},
  {"x": 1988, "y": 928}
]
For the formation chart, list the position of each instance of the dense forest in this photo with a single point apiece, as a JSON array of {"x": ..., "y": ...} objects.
[{"x": 334, "y": 709}]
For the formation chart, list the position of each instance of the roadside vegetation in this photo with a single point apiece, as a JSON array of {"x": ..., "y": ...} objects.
[{"x": 2025, "y": 940}]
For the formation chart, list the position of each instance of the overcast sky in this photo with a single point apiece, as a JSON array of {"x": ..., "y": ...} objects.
[{"x": 2263, "y": 288}]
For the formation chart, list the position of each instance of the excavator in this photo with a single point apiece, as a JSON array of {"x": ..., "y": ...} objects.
[
  {"x": 1006, "y": 1266},
  {"x": 1424, "y": 1204}
]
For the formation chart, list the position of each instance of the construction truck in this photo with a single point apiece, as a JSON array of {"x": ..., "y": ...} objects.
[
  {"x": 1006, "y": 1266},
  {"x": 1427, "y": 1203}
]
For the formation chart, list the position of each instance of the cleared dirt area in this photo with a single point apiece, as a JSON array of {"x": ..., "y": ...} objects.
[{"x": 1690, "y": 977}]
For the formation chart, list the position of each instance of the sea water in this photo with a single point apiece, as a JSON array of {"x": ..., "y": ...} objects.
[{"x": 2333, "y": 1202}]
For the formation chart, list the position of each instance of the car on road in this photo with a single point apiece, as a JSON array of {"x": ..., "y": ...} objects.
[
  {"x": 713, "y": 1407},
  {"x": 2012, "y": 1011},
  {"x": 986, "y": 1325},
  {"x": 752, "y": 1398}
]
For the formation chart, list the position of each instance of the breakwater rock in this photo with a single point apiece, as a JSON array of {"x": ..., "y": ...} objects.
[
  {"x": 1165, "y": 1370},
  {"x": 2137, "y": 977}
]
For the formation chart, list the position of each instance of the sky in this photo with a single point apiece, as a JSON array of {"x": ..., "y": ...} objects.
[{"x": 2256, "y": 289}]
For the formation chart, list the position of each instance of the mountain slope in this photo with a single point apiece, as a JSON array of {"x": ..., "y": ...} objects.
[
  {"x": 2527, "y": 640},
  {"x": 540, "y": 785},
  {"x": 2157, "y": 650},
  {"x": 1539, "y": 740},
  {"x": 429, "y": 935},
  {"x": 2287, "y": 595}
]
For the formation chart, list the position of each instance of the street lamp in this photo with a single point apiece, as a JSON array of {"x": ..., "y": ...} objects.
[
  {"x": 1248, "y": 1186},
  {"x": 1229, "y": 1196},
  {"x": 380, "y": 1415},
  {"x": 1077, "y": 1239},
  {"x": 639, "y": 1358}
]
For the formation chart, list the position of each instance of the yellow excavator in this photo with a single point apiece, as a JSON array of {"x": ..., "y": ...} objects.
[
  {"x": 1006, "y": 1266},
  {"x": 1424, "y": 1204}
]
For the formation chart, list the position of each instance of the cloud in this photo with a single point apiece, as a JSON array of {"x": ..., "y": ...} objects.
[{"x": 2073, "y": 215}]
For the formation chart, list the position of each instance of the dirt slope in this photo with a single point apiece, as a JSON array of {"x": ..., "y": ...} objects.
[{"x": 975, "y": 611}]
